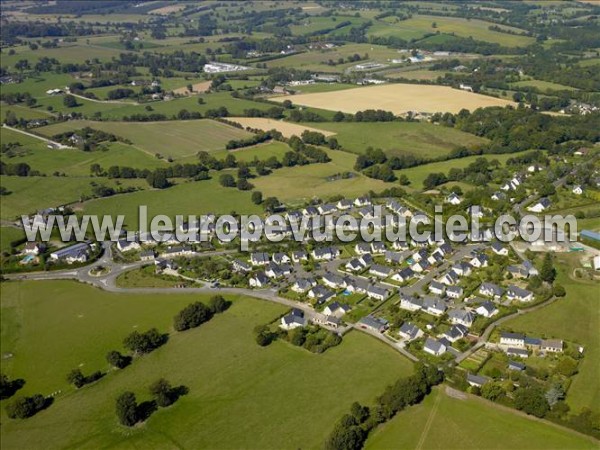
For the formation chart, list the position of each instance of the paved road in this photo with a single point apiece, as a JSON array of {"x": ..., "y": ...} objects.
[{"x": 48, "y": 141}]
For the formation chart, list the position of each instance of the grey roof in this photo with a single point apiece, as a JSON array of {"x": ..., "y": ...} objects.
[
  {"x": 260, "y": 257},
  {"x": 477, "y": 379},
  {"x": 516, "y": 291},
  {"x": 455, "y": 290},
  {"x": 410, "y": 329},
  {"x": 515, "y": 365},
  {"x": 488, "y": 306},
  {"x": 436, "y": 285},
  {"x": 381, "y": 269},
  {"x": 74, "y": 250},
  {"x": 374, "y": 322},
  {"x": 261, "y": 277},
  {"x": 507, "y": 335},
  {"x": 517, "y": 351},
  {"x": 377, "y": 291},
  {"x": 433, "y": 345},
  {"x": 434, "y": 303},
  {"x": 497, "y": 290},
  {"x": 407, "y": 272},
  {"x": 461, "y": 314}
]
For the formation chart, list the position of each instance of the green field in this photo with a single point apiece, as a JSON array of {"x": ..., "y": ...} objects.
[
  {"x": 299, "y": 184},
  {"x": 175, "y": 139},
  {"x": 30, "y": 194},
  {"x": 418, "y": 25},
  {"x": 581, "y": 307},
  {"x": 192, "y": 197},
  {"x": 544, "y": 86},
  {"x": 76, "y": 162},
  {"x": 8, "y": 235},
  {"x": 397, "y": 138},
  {"x": 417, "y": 174},
  {"x": 444, "y": 422},
  {"x": 236, "y": 388}
]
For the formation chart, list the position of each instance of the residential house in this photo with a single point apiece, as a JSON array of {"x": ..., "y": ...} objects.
[
  {"x": 333, "y": 281},
  {"x": 366, "y": 260},
  {"x": 259, "y": 259},
  {"x": 241, "y": 266},
  {"x": 327, "y": 209},
  {"x": 497, "y": 196},
  {"x": 147, "y": 255},
  {"x": 475, "y": 211},
  {"x": 421, "y": 266},
  {"x": 344, "y": 204},
  {"x": 393, "y": 257},
  {"x": 519, "y": 352},
  {"x": 75, "y": 253},
  {"x": 434, "y": 306},
  {"x": 453, "y": 199},
  {"x": 437, "y": 288},
  {"x": 293, "y": 320},
  {"x": 259, "y": 279},
  {"x": 462, "y": 269},
  {"x": 552, "y": 345},
  {"x": 400, "y": 245},
  {"x": 34, "y": 248},
  {"x": 420, "y": 255},
  {"x": 310, "y": 211},
  {"x": 280, "y": 258},
  {"x": 454, "y": 292},
  {"x": 362, "y": 248},
  {"x": 455, "y": 332},
  {"x": 325, "y": 253},
  {"x": 273, "y": 270},
  {"x": 372, "y": 323},
  {"x": 479, "y": 260},
  {"x": 378, "y": 247},
  {"x": 403, "y": 275},
  {"x": 476, "y": 380},
  {"x": 577, "y": 190},
  {"x": 410, "y": 331},
  {"x": 434, "y": 347},
  {"x": 461, "y": 317},
  {"x": 320, "y": 293},
  {"x": 499, "y": 249},
  {"x": 299, "y": 256},
  {"x": 354, "y": 265},
  {"x": 491, "y": 290},
  {"x": 127, "y": 246},
  {"x": 530, "y": 269},
  {"x": 367, "y": 212},
  {"x": 377, "y": 293},
  {"x": 336, "y": 309},
  {"x": 362, "y": 201},
  {"x": 410, "y": 303},
  {"x": 542, "y": 205},
  {"x": 516, "y": 293},
  {"x": 512, "y": 339},
  {"x": 380, "y": 271},
  {"x": 301, "y": 285},
  {"x": 487, "y": 309},
  {"x": 515, "y": 365},
  {"x": 449, "y": 278}
]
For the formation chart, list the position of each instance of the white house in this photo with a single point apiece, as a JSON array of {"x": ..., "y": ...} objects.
[
  {"x": 461, "y": 317},
  {"x": 354, "y": 265},
  {"x": 410, "y": 331},
  {"x": 377, "y": 293},
  {"x": 491, "y": 290},
  {"x": 336, "y": 309},
  {"x": 453, "y": 199},
  {"x": 512, "y": 339},
  {"x": 259, "y": 259},
  {"x": 301, "y": 285},
  {"x": 516, "y": 293},
  {"x": 437, "y": 288},
  {"x": 403, "y": 275},
  {"x": 258, "y": 280},
  {"x": 434, "y": 306},
  {"x": 577, "y": 190},
  {"x": 127, "y": 246},
  {"x": 410, "y": 303},
  {"x": 434, "y": 347},
  {"x": 327, "y": 253},
  {"x": 487, "y": 309},
  {"x": 294, "y": 319},
  {"x": 454, "y": 292},
  {"x": 499, "y": 249},
  {"x": 380, "y": 271},
  {"x": 540, "y": 206},
  {"x": 333, "y": 281}
]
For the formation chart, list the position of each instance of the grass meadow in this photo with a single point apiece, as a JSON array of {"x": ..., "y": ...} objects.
[
  {"x": 397, "y": 138},
  {"x": 175, "y": 139},
  {"x": 444, "y": 422},
  {"x": 575, "y": 318},
  {"x": 236, "y": 388}
]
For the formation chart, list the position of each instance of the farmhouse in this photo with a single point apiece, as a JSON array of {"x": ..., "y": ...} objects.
[
  {"x": 434, "y": 347},
  {"x": 410, "y": 331},
  {"x": 376, "y": 324},
  {"x": 552, "y": 345}
]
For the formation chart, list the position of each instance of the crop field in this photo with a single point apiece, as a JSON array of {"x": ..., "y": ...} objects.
[
  {"x": 417, "y": 26},
  {"x": 422, "y": 74},
  {"x": 397, "y": 98},
  {"x": 286, "y": 128},
  {"x": 235, "y": 386},
  {"x": 397, "y": 138},
  {"x": 176, "y": 139},
  {"x": 197, "y": 88},
  {"x": 581, "y": 307},
  {"x": 544, "y": 86},
  {"x": 298, "y": 184},
  {"x": 192, "y": 197},
  {"x": 470, "y": 423}
]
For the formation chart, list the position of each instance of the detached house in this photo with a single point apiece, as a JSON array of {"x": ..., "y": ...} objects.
[
  {"x": 362, "y": 201},
  {"x": 241, "y": 266},
  {"x": 453, "y": 199},
  {"x": 374, "y": 324},
  {"x": 434, "y": 306},
  {"x": 455, "y": 332},
  {"x": 336, "y": 309},
  {"x": 516, "y": 293},
  {"x": 259, "y": 259},
  {"x": 479, "y": 260},
  {"x": 326, "y": 253},
  {"x": 491, "y": 290},
  {"x": 280, "y": 258},
  {"x": 299, "y": 256},
  {"x": 293, "y": 320},
  {"x": 410, "y": 303},
  {"x": 454, "y": 292},
  {"x": 380, "y": 271},
  {"x": 393, "y": 257},
  {"x": 542, "y": 205},
  {"x": 512, "y": 339},
  {"x": 301, "y": 285},
  {"x": 403, "y": 275},
  {"x": 377, "y": 293},
  {"x": 410, "y": 331},
  {"x": 362, "y": 248},
  {"x": 344, "y": 204},
  {"x": 487, "y": 309},
  {"x": 258, "y": 280},
  {"x": 437, "y": 288},
  {"x": 499, "y": 249},
  {"x": 434, "y": 347},
  {"x": 354, "y": 265},
  {"x": 461, "y": 317},
  {"x": 333, "y": 281}
]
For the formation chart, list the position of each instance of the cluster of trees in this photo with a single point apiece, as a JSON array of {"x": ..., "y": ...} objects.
[
  {"x": 368, "y": 115},
  {"x": 314, "y": 339},
  {"x": 195, "y": 314},
  {"x": 143, "y": 343},
  {"x": 18, "y": 169},
  {"x": 130, "y": 412},
  {"x": 78, "y": 379},
  {"x": 352, "y": 430},
  {"x": 24, "y": 407},
  {"x": 12, "y": 98},
  {"x": 88, "y": 139},
  {"x": 257, "y": 138},
  {"x": 374, "y": 164},
  {"x": 119, "y": 93},
  {"x": 9, "y": 387},
  {"x": 275, "y": 112}
]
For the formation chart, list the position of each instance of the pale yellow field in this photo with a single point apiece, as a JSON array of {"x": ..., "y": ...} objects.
[
  {"x": 285, "y": 128},
  {"x": 397, "y": 98},
  {"x": 165, "y": 10},
  {"x": 197, "y": 88}
]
